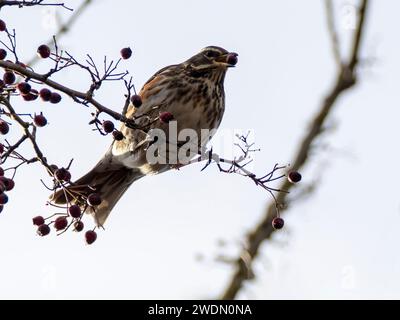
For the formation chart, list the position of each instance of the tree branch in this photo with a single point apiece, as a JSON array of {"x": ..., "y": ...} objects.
[
  {"x": 345, "y": 79},
  {"x": 25, "y": 3},
  {"x": 74, "y": 94}
]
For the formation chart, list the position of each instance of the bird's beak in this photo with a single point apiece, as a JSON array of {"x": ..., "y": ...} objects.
[{"x": 228, "y": 60}]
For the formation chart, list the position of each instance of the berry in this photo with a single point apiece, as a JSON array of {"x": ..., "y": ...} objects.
[
  {"x": 45, "y": 94},
  {"x": 74, "y": 211},
  {"x": 78, "y": 226},
  {"x": 55, "y": 97},
  {"x": 40, "y": 120},
  {"x": 136, "y": 100},
  {"x": 108, "y": 126},
  {"x": 24, "y": 87},
  {"x": 4, "y": 128},
  {"x": 4, "y": 181},
  {"x": 1, "y": 172},
  {"x": 93, "y": 199},
  {"x": 232, "y": 59},
  {"x": 9, "y": 77},
  {"x": 2, "y": 187},
  {"x": 43, "y": 230},
  {"x": 90, "y": 236},
  {"x": 126, "y": 53},
  {"x": 166, "y": 117},
  {"x": 294, "y": 176},
  {"x": 38, "y": 221},
  {"x": 118, "y": 135},
  {"x": 43, "y": 51},
  {"x": 9, "y": 184},
  {"x": 60, "y": 223},
  {"x": 32, "y": 95},
  {"x": 62, "y": 174},
  {"x": 3, "y": 26},
  {"x": 3, "y": 54},
  {"x": 3, "y": 198},
  {"x": 278, "y": 223}
]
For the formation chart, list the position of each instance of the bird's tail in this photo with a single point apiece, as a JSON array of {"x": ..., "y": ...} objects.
[{"x": 110, "y": 184}]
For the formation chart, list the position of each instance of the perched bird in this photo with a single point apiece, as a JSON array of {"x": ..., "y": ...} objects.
[{"x": 192, "y": 93}]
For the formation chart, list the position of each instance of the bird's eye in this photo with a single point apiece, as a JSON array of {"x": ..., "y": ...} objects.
[{"x": 211, "y": 54}]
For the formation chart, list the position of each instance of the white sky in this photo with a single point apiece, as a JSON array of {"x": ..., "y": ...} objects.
[{"x": 340, "y": 243}]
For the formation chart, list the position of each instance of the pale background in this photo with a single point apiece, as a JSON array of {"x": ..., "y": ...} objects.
[{"x": 340, "y": 243}]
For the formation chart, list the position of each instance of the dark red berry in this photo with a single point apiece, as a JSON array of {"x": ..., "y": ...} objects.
[
  {"x": 3, "y": 198},
  {"x": 294, "y": 176},
  {"x": 32, "y": 95},
  {"x": 93, "y": 199},
  {"x": 24, "y": 87},
  {"x": 166, "y": 117},
  {"x": 38, "y": 221},
  {"x": 136, "y": 100},
  {"x": 3, "y": 26},
  {"x": 55, "y": 97},
  {"x": 277, "y": 223},
  {"x": 9, "y": 77},
  {"x": 3, "y": 54},
  {"x": 1, "y": 172},
  {"x": 62, "y": 174},
  {"x": 74, "y": 211},
  {"x": 4, "y": 128},
  {"x": 45, "y": 94},
  {"x": 53, "y": 168},
  {"x": 118, "y": 135},
  {"x": 43, "y": 51},
  {"x": 10, "y": 184},
  {"x": 43, "y": 230},
  {"x": 60, "y": 223},
  {"x": 78, "y": 226},
  {"x": 232, "y": 59},
  {"x": 90, "y": 236},
  {"x": 108, "y": 126},
  {"x": 126, "y": 53},
  {"x": 2, "y": 187},
  {"x": 40, "y": 120},
  {"x": 4, "y": 181}
]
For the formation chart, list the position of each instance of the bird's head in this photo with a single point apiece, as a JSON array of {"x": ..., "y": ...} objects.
[{"x": 212, "y": 57}]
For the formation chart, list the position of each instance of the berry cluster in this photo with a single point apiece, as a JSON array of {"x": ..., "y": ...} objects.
[
  {"x": 6, "y": 184},
  {"x": 73, "y": 214},
  {"x": 15, "y": 82}
]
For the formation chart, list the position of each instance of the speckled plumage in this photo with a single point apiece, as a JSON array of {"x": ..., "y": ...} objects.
[{"x": 193, "y": 92}]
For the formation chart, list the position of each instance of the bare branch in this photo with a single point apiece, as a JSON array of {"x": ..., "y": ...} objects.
[
  {"x": 345, "y": 80},
  {"x": 24, "y": 3},
  {"x": 25, "y": 126},
  {"x": 77, "y": 96}
]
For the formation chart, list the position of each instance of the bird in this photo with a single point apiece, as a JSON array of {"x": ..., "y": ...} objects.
[{"x": 190, "y": 95}]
